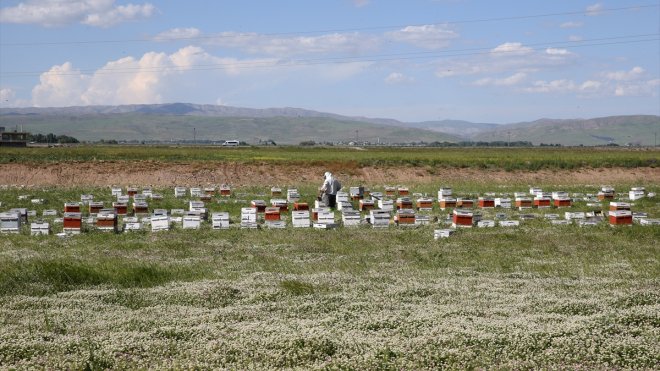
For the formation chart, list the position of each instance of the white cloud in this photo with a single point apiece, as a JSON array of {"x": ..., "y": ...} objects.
[
  {"x": 635, "y": 73},
  {"x": 571, "y": 24},
  {"x": 591, "y": 85},
  {"x": 555, "y": 86},
  {"x": 60, "y": 86},
  {"x": 575, "y": 38},
  {"x": 556, "y": 51},
  {"x": 514, "y": 79},
  {"x": 594, "y": 9},
  {"x": 425, "y": 36},
  {"x": 398, "y": 78},
  {"x": 511, "y": 49},
  {"x": 100, "y": 13},
  {"x": 178, "y": 33},
  {"x": 6, "y": 95}
]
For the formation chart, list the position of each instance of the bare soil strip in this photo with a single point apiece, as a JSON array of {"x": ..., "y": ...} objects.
[{"x": 161, "y": 174}]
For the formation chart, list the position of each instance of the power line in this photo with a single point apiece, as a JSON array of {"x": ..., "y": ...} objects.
[
  {"x": 338, "y": 60},
  {"x": 336, "y": 30}
]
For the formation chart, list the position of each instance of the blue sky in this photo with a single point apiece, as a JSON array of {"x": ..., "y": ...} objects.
[{"x": 414, "y": 60}]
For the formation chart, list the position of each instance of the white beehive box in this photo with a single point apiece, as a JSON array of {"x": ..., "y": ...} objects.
[
  {"x": 444, "y": 192},
  {"x": 559, "y": 195},
  {"x": 37, "y": 201},
  {"x": 300, "y": 219},
  {"x": 292, "y": 195},
  {"x": 196, "y": 192},
  {"x": 275, "y": 224},
  {"x": 379, "y": 218},
  {"x": 551, "y": 216},
  {"x": 509, "y": 223},
  {"x": 180, "y": 192},
  {"x": 192, "y": 221},
  {"x": 116, "y": 191},
  {"x": 177, "y": 212},
  {"x": 560, "y": 222},
  {"x": 125, "y": 199},
  {"x": 636, "y": 193},
  {"x": 160, "y": 223},
  {"x": 647, "y": 221},
  {"x": 249, "y": 217},
  {"x": 442, "y": 233},
  {"x": 10, "y": 222},
  {"x": 344, "y": 205},
  {"x": 220, "y": 220},
  {"x": 386, "y": 205},
  {"x": 343, "y": 197},
  {"x": 579, "y": 215},
  {"x": 350, "y": 218},
  {"x": 39, "y": 228},
  {"x": 422, "y": 219},
  {"x": 86, "y": 199},
  {"x": 22, "y": 213},
  {"x": 196, "y": 205},
  {"x": 325, "y": 217},
  {"x": 503, "y": 202},
  {"x": 485, "y": 223},
  {"x": 132, "y": 226},
  {"x": 49, "y": 212},
  {"x": 147, "y": 192},
  {"x": 534, "y": 190}
]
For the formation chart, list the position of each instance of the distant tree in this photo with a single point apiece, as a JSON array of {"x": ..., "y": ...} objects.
[{"x": 307, "y": 143}]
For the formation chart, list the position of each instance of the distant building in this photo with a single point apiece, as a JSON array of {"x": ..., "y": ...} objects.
[{"x": 13, "y": 139}]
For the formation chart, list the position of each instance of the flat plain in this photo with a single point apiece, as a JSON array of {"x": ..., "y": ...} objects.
[{"x": 535, "y": 296}]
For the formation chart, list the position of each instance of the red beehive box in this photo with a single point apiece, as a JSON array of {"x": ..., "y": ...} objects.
[
  {"x": 225, "y": 190},
  {"x": 462, "y": 218},
  {"x": 209, "y": 191},
  {"x": 621, "y": 217},
  {"x": 72, "y": 221},
  {"x": 404, "y": 203},
  {"x": 131, "y": 191},
  {"x": 140, "y": 208},
  {"x": 95, "y": 207},
  {"x": 614, "y": 206},
  {"x": 366, "y": 205},
  {"x": 390, "y": 191},
  {"x": 403, "y": 191},
  {"x": 542, "y": 202},
  {"x": 121, "y": 208},
  {"x": 563, "y": 202},
  {"x": 107, "y": 221},
  {"x": 524, "y": 202},
  {"x": 447, "y": 203},
  {"x": 300, "y": 206},
  {"x": 425, "y": 203},
  {"x": 272, "y": 213},
  {"x": 605, "y": 196},
  {"x": 486, "y": 202},
  {"x": 405, "y": 217},
  {"x": 465, "y": 203},
  {"x": 260, "y": 205},
  {"x": 71, "y": 207}
]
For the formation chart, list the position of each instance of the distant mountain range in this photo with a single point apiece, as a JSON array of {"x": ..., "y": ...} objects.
[{"x": 183, "y": 121}]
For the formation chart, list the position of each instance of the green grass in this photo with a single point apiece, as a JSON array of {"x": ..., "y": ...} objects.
[
  {"x": 438, "y": 158},
  {"x": 536, "y": 296}
]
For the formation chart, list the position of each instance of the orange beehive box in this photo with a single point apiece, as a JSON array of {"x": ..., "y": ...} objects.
[
  {"x": 403, "y": 191},
  {"x": 390, "y": 191},
  {"x": 486, "y": 202},
  {"x": 614, "y": 206},
  {"x": 542, "y": 202},
  {"x": 605, "y": 196},
  {"x": 366, "y": 205},
  {"x": 272, "y": 213},
  {"x": 140, "y": 208},
  {"x": 209, "y": 191},
  {"x": 425, "y": 203},
  {"x": 621, "y": 217},
  {"x": 300, "y": 206},
  {"x": 465, "y": 203},
  {"x": 72, "y": 221},
  {"x": 225, "y": 190},
  {"x": 563, "y": 202},
  {"x": 404, "y": 217},
  {"x": 121, "y": 208},
  {"x": 462, "y": 218},
  {"x": 95, "y": 207},
  {"x": 447, "y": 203},
  {"x": 260, "y": 205},
  {"x": 131, "y": 191},
  {"x": 71, "y": 207},
  {"x": 524, "y": 202},
  {"x": 107, "y": 221},
  {"x": 404, "y": 203}
]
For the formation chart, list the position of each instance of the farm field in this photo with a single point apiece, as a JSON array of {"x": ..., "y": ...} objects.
[{"x": 535, "y": 296}]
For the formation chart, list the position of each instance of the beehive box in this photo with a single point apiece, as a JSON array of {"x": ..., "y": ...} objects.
[
  {"x": 292, "y": 195},
  {"x": 177, "y": 212},
  {"x": 551, "y": 216},
  {"x": 86, "y": 199},
  {"x": 191, "y": 220},
  {"x": 49, "y": 212},
  {"x": 280, "y": 203},
  {"x": 542, "y": 202},
  {"x": 132, "y": 226},
  {"x": 249, "y": 217},
  {"x": 621, "y": 217},
  {"x": 325, "y": 225},
  {"x": 574, "y": 215},
  {"x": 316, "y": 211},
  {"x": 37, "y": 201},
  {"x": 275, "y": 224},
  {"x": 71, "y": 207},
  {"x": 275, "y": 191},
  {"x": 72, "y": 223},
  {"x": 344, "y": 205},
  {"x": 95, "y": 207},
  {"x": 160, "y": 212},
  {"x": 300, "y": 206},
  {"x": 160, "y": 223},
  {"x": 619, "y": 206},
  {"x": 486, "y": 202},
  {"x": 648, "y": 221},
  {"x": 379, "y": 218},
  {"x": 325, "y": 217},
  {"x": 442, "y": 233},
  {"x": 39, "y": 228},
  {"x": 123, "y": 198},
  {"x": 425, "y": 204},
  {"x": 405, "y": 217},
  {"x": 139, "y": 197},
  {"x": 404, "y": 203},
  {"x": 390, "y": 191},
  {"x": 22, "y": 212},
  {"x": 444, "y": 192},
  {"x": 196, "y": 192},
  {"x": 209, "y": 191},
  {"x": 524, "y": 203},
  {"x": 140, "y": 208},
  {"x": 447, "y": 203},
  {"x": 563, "y": 202},
  {"x": 509, "y": 223},
  {"x": 156, "y": 196},
  {"x": 503, "y": 202},
  {"x": 196, "y": 205},
  {"x": 259, "y": 205},
  {"x": 225, "y": 190},
  {"x": 300, "y": 219},
  {"x": 464, "y": 203},
  {"x": 131, "y": 191},
  {"x": 356, "y": 193},
  {"x": 10, "y": 222},
  {"x": 147, "y": 192},
  {"x": 403, "y": 191},
  {"x": 377, "y": 195},
  {"x": 121, "y": 208},
  {"x": 366, "y": 205},
  {"x": 106, "y": 220},
  {"x": 386, "y": 205},
  {"x": 350, "y": 218},
  {"x": 220, "y": 220},
  {"x": 636, "y": 193},
  {"x": 462, "y": 218},
  {"x": 180, "y": 192},
  {"x": 343, "y": 197},
  {"x": 272, "y": 213},
  {"x": 486, "y": 223},
  {"x": 534, "y": 190},
  {"x": 587, "y": 223},
  {"x": 116, "y": 191}
]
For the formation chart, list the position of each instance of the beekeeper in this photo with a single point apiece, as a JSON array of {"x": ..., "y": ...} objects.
[{"x": 329, "y": 189}]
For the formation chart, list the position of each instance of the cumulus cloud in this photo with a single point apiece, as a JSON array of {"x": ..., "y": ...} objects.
[
  {"x": 635, "y": 73},
  {"x": 555, "y": 86},
  {"x": 99, "y": 13},
  {"x": 514, "y": 79},
  {"x": 594, "y": 9},
  {"x": 178, "y": 33},
  {"x": 425, "y": 36},
  {"x": 511, "y": 49},
  {"x": 556, "y": 51},
  {"x": 395, "y": 78},
  {"x": 6, "y": 95}
]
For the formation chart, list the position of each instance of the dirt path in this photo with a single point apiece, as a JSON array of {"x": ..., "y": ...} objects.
[{"x": 190, "y": 174}]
